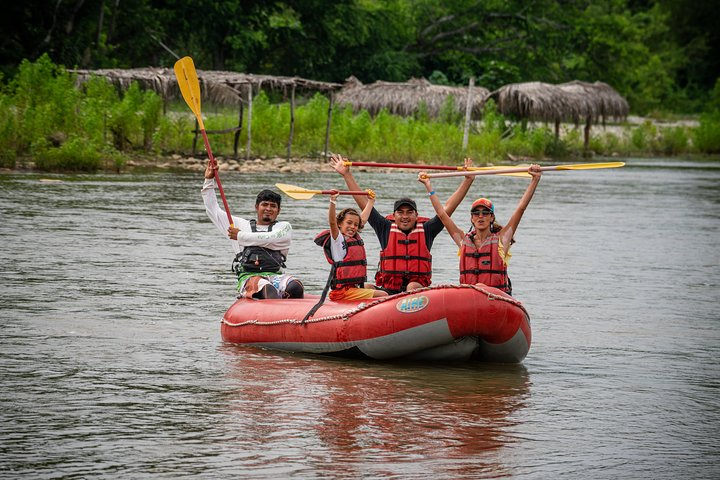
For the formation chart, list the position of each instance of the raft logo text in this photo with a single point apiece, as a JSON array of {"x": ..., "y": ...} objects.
[{"x": 412, "y": 304}]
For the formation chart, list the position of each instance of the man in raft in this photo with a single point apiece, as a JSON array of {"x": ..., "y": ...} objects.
[
  {"x": 405, "y": 238},
  {"x": 261, "y": 245}
]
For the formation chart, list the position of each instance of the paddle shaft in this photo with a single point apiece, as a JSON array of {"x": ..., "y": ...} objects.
[
  {"x": 213, "y": 164},
  {"x": 331, "y": 192},
  {"x": 431, "y": 167},
  {"x": 525, "y": 169},
  {"x": 404, "y": 165}
]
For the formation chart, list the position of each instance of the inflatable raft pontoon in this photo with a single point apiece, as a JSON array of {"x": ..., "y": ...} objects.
[{"x": 438, "y": 323}]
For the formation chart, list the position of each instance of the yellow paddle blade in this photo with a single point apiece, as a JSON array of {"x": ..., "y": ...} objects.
[
  {"x": 295, "y": 192},
  {"x": 589, "y": 166},
  {"x": 189, "y": 86}
]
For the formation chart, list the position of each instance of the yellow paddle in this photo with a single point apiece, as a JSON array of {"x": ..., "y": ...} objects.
[
  {"x": 299, "y": 193},
  {"x": 432, "y": 167},
  {"x": 190, "y": 88},
  {"x": 577, "y": 166}
]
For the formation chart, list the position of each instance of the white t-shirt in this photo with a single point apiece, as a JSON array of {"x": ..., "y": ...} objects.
[{"x": 338, "y": 247}]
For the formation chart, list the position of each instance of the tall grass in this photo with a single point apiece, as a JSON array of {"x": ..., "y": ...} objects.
[{"x": 62, "y": 127}]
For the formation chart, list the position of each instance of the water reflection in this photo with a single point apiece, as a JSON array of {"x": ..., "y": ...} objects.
[{"x": 384, "y": 418}]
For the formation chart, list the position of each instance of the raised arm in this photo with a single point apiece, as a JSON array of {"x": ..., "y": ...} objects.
[
  {"x": 336, "y": 161},
  {"x": 365, "y": 214},
  {"x": 332, "y": 217},
  {"x": 457, "y": 197},
  {"x": 512, "y": 224},
  {"x": 455, "y": 232},
  {"x": 213, "y": 210}
]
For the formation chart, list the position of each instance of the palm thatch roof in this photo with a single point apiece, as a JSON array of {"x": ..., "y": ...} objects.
[
  {"x": 573, "y": 101},
  {"x": 405, "y": 98},
  {"x": 606, "y": 101},
  {"x": 218, "y": 87}
]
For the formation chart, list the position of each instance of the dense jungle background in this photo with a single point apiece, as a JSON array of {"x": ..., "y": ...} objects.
[{"x": 661, "y": 55}]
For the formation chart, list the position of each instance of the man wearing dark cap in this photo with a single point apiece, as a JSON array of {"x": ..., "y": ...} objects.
[
  {"x": 405, "y": 238},
  {"x": 261, "y": 245}
]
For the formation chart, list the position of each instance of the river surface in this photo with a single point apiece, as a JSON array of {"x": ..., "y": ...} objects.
[{"x": 112, "y": 365}]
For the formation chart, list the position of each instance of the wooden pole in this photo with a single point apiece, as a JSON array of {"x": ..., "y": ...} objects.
[
  {"x": 292, "y": 122},
  {"x": 468, "y": 111},
  {"x": 327, "y": 129},
  {"x": 197, "y": 130},
  {"x": 249, "y": 123},
  {"x": 587, "y": 132},
  {"x": 239, "y": 129}
]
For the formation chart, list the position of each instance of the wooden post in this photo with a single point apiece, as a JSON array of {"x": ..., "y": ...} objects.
[
  {"x": 327, "y": 130},
  {"x": 249, "y": 124},
  {"x": 557, "y": 129},
  {"x": 587, "y": 133},
  {"x": 468, "y": 111},
  {"x": 292, "y": 122},
  {"x": 197, "y": 130},
  {"x": 239, "y": 127}
]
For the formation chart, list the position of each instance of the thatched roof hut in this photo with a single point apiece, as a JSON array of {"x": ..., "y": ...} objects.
[
  {"x": 573, "y": 101},
  {"x": 218, "y": 87},
  {"x": 405, "y": 98},
  {"x": 606, "y": 101},
  {"x": 537, "y": 101},
  {"x": 222, "y": 88}
]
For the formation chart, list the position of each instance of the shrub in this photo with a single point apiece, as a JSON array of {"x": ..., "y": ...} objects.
[
  {"x": 643, "y": 136},
  {"x": 672, "y": 140},
  {"x": 74, "y": 155},
  {"x": 706, "y": 136}
]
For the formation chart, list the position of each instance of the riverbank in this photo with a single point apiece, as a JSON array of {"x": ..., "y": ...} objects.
[
  {"x": 177, "y": 162},
  {"x": 258, "y": 165}
]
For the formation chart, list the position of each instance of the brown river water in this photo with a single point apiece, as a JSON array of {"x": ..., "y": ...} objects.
[{"x": 112, "y": 365}]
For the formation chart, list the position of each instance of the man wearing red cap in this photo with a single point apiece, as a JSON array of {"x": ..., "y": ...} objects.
[{"x": 405, "y": 238}]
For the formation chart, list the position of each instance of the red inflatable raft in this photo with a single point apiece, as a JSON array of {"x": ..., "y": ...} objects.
[{"x": 439, "y": 323}]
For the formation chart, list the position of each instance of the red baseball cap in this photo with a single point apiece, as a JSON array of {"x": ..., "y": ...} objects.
[{"x": 483, "y": 202}]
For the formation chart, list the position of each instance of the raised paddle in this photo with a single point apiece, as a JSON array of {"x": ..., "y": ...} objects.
[
  {"x": 577, "y": 166},
  {"x": 348, "y": 163},
  {"x": 299, "y": 193},
  {"x": 190, "y": 88}
]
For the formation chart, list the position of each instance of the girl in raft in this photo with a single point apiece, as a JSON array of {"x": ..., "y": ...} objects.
[
  {"x": 345, "y": 251},
  {"x": 485, "y": 249}
]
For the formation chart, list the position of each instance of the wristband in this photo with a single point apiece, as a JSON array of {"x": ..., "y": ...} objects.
[
  {"x": 333, "y": 202},
  {"x": 431, "y": 193}
]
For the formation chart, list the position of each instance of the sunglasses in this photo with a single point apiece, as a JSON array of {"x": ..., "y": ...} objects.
[{"x": 484, "y": 212}]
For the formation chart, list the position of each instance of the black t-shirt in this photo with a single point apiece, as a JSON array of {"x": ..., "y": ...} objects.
[{"x": 381, "y": 225}]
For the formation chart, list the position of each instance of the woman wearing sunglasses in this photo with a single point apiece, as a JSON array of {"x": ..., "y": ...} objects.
[{"x": 485, "y": 249}]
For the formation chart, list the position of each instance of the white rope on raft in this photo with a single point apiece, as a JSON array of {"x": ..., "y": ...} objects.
[{"x": 364, "y": 306}]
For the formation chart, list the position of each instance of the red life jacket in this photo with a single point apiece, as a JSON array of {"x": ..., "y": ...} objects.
[
  {"x": 484, "y": 264},
  {"x": 405, "y": 259},
  {"x": 351, "y": 271}
]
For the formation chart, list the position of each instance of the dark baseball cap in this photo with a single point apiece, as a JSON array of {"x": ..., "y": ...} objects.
[{"x": 405, "y": 201}]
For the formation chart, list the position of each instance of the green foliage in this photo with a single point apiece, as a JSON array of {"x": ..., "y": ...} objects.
[
  {"x": 643, "y": 137},
  {"x": 672, "y": 140},
  {"x": 63, "y": 128},
  {"x": 449, "y": 112},
  {"x": 497, "y": 73},
  {"x": 73, "y": 155},
  {"x": 8, "y": 147},
  {"x": 707, "y": 136},
  {"x": 659, "y": 54},
  {"x": 44, "y": 99}
]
